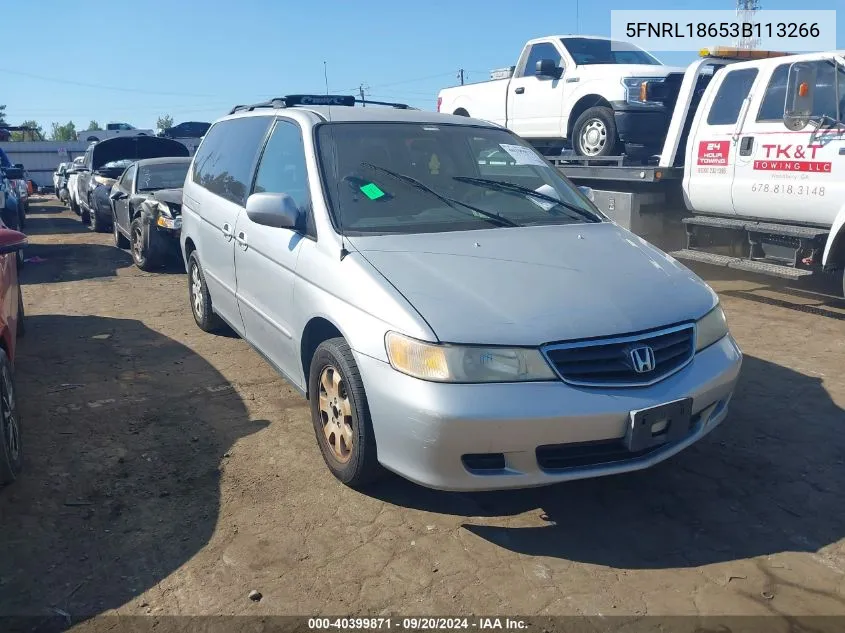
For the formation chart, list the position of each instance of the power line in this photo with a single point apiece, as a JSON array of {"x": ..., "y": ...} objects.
[{"x": 100, "y": 86}]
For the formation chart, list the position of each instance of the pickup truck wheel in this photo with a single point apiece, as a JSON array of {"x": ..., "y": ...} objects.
[
  {"x": 200, "y": 298},
  {"x": 594, "y": 133},
  {"x": 11, "y": 455},
  {"x": 341, "y": 415}
]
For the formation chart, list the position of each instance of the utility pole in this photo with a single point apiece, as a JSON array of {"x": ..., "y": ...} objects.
[
  {"x": 461, "y": 76},
  {"x": 361, "y": 90}
]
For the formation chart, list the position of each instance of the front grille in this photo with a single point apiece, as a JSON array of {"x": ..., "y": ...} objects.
[{"x": 608, "y": 362}]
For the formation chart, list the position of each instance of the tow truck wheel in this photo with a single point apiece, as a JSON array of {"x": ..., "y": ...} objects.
[{"x": 594, "y": 133}]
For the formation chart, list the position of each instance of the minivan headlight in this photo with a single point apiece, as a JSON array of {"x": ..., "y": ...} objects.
[
  {"x": 710, "y": 328},
  {"x": 459, "y": 363}
]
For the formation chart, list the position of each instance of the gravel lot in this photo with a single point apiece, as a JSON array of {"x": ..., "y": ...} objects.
[{"x": 171, "y": 471}]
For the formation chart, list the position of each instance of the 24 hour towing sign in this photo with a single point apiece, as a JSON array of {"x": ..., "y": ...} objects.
[{"x": 792, "y": 157}]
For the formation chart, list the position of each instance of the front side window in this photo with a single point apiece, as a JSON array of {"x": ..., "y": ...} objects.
[
  {"x": 282, "y": 168},
  {"x": 541, "y": 51},
  {"x": 225, "y": 159},
  {"x": 419, "y": 178},
  {"x": 732, "y": 92},
  {"x": 771, "y": 107},
  {"x": 128, "y": 179}
]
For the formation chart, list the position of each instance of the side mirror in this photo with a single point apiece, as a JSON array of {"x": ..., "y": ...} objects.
[
  {"x": 800, "y": 86},
  {"x": 117, "y": 194},
  {"x": 273, "y": 209},
  {"x": 548, "y": 68},
  {"x": 11, "y": 241},
  {"x": 588, "y": 193}
]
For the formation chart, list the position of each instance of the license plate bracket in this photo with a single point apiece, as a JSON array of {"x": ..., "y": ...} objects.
[{"x": 663, "y": 424}]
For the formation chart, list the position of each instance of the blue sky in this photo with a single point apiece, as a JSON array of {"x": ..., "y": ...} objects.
[{"x": 111, "y": 60}]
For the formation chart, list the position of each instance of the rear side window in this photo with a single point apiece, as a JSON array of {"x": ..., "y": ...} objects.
[
  {"x": 732, "y": 92},
  {"x": 225, "y": 160}
]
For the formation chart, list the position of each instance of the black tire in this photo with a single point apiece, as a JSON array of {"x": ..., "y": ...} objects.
[
  {"x": 359, "y": 465},
  {"x": 594, "y": 133},
  {"x": 11, "y": 455},
  {"x": 21, "y": 326},
  {"x": 21, "y": 259},
  {"x": 21, "y": 216},
  {"x": 119, "y": 238},
  {"x": 74, "y": 206},
  {"x": 96, "y": 223},
  {"x": 84, "y": 215},
  {"x": 204, "y": 315},
  {"x": 142, "y": 244}
]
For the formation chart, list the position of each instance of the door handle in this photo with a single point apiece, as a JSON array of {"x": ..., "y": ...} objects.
[
  {"x": 746, "y": 145},
  {"x": 519, "y": 90},
  {"x": 227, "y": 232},
  {"x": 241, "y": 240}
]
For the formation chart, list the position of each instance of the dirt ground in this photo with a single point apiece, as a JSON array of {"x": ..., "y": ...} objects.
[{"x": 169, "y": 471}]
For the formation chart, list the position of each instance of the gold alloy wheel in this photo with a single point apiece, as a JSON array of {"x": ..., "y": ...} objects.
[{"x": 336, "y": 414}]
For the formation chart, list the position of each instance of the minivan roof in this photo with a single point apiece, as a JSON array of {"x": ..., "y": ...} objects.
[{"x": 346, "y": 114}]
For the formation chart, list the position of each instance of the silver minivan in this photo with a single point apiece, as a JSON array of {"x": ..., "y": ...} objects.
[{"x": 453, "y": 308}]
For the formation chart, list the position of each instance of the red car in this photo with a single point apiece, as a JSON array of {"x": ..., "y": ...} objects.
[{"x": 11, "y": 326}]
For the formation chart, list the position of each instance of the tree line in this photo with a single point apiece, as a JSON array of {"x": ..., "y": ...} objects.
[{"x": 66, "y": 132}]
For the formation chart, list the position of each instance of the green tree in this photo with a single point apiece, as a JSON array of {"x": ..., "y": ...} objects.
[
  {"x": 92, "y": 125},
  {"x": 35, "y": 132},
  {"x": 164, "y": 122},
  {"x": 66, "y": 132},
  {"x": 2, "y": 114}
]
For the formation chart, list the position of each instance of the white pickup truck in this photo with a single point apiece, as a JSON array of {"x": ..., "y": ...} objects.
[
  {"x": 576, "y": 90},
  {"x": 112, "y": 130}
]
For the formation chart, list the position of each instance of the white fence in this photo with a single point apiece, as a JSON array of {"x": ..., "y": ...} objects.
[{"x": 40, "y": 158}]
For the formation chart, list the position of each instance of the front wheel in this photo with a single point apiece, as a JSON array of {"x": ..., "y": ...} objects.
[
  {"x": 119, "y": 238},
  {"x": 11, "y": 455},
  {"x": 594, "y": 133},
  {"x": 96, "y": 223},
  {"x": 341, "y": 416},
  {"x": 141, "y": 241}
]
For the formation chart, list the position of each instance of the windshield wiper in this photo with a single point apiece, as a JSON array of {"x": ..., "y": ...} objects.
[
  {"x": 450, "y": 201},
  {"x": 510, "y": 187}
]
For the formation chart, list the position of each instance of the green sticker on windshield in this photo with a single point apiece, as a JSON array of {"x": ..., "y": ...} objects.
[{"x": 372, "y": 191}]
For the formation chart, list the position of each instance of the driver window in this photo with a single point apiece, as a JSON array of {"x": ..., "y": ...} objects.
[
  {"x": 128, "y": 179},
  {"x": 543, "y": 50}
]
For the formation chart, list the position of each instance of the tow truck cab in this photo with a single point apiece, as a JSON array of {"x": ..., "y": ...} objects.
[{"x": 757, "y": 141}]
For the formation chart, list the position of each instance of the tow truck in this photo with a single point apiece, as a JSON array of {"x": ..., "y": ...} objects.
[{"x": 751, "y": 175}]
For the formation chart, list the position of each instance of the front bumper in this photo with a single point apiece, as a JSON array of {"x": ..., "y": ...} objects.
[
  {"x": 425, "y": 430},
  {"x": 644, "y": 125}
]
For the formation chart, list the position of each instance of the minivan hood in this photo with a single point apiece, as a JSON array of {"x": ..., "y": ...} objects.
[
  {"x": 535, "y": 285},
  {"x": 135, "y": 147}
]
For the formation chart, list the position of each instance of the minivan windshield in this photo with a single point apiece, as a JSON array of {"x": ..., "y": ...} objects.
[
  {"x": 422, "y": 178},
  {"x": 586, "y": 51}
]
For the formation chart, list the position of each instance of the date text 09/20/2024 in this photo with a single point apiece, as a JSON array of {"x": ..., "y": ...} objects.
[{"x": 417, "y": 624}]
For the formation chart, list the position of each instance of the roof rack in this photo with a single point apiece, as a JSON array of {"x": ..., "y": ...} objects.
[{"x": 290, "y": 101}]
